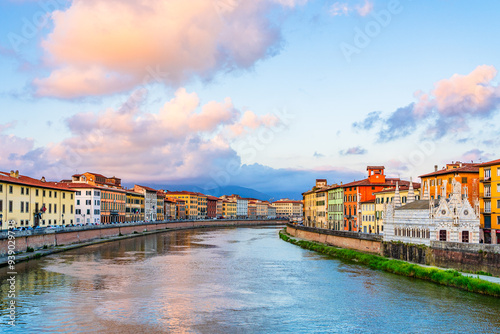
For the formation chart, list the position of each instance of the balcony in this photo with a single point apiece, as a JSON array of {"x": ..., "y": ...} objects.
[{"x": 485, "y": 179}]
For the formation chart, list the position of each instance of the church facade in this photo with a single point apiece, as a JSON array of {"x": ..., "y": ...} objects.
[{"x": 447, "y": 217}]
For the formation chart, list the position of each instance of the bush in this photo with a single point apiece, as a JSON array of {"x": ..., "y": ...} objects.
[
  {"x": 37, "y": 256},
  {"x": 448, "y": 277},
  {"x": 30, "y": 249},
  {"x": 45, "y": 246}
]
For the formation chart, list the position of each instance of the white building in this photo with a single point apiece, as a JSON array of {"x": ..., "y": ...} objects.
[
  {"x": 150, "y": 202},
  {"x": 241, "y": 207},
  {"x": 87, "y": 203},
  {"x": 286, "y": 208},
  {"x": 449, "y": 218}
]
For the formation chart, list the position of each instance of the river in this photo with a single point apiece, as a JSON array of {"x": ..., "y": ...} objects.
[{"x": 231, "y": 280}]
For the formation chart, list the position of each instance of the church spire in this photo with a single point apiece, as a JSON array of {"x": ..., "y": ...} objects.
[
  {"x": 411, "y": 192},
  {"x": 397, "y": 197}
]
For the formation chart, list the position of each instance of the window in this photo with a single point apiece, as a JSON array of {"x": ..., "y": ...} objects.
[
  {"x": 11, "y": 206},
  {"x": 498, "y": 206},
  {"x": 22, "y": 191},
  {"x": 71, "y": 196},
  {"x": 77, "y": 202},
  {"x": 71, "y": 211},
  {"x": 442, "y": 235},
  {"x": 78, "y": 193},
  {"x": 50, "y": 193},
  {"x": 27, "y": 191},
  {"x": 487, "y": 207},
  {"x": 1, "y": 188},
  {"x": 55, "y": 208},
  {"x": 50, "y": 208},
  {"x": 27, "y": 206},
  {"x": 465, "y": 236},
  {"x": 10, "y": 190},
  {"x": 464, "y": 180},
  {"x": 55, "y": 194},
  {"x": 43, "y": 194},
  {"x": 89, "y": 193},
  {"x": 64, "y": 208},
  {"x": 88, "y": 202},
  {"x": 64, "y": 195},
  {"x": 498, "y": 173},
  {"x": 487, "y": 191},
  {"x": 78, "y": 211},
  {"x": 1, "y": 205},
  {"x": 22, "y": 206},
  {"x": 36, "y": 192},
  {"x": 88, "y": 211},
  {"x": 487, "y": 174}
]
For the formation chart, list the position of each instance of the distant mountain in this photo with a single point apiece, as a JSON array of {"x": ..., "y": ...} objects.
[{"x": 225, "y": 190}]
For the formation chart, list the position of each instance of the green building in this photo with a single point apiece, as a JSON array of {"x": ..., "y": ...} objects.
[{"x": 336, "y": 208}]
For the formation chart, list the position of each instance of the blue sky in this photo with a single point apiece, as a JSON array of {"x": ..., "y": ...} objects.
[{"x": 278, "y": 95}]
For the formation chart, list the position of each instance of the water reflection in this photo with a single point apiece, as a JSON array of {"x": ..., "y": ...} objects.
[{"x": 230, "y": 280}]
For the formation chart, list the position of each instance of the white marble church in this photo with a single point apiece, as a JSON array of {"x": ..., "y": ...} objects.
[{"x": 448, "y": 218}]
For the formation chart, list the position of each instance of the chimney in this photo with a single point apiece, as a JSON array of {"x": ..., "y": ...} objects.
[
  {"x": 16, "y": 174},
  {"x": 12, "y": 173},
  {"x": 435, "y": 168},
  {"x": 42, "y": 179}
]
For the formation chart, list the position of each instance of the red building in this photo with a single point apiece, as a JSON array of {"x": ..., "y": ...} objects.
[
  {"x": 363, "y": 191},
  {"x": 212, "y": 206}
]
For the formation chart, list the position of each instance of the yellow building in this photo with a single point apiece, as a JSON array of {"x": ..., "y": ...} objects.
[
  {"x": 367, "y": 217},
  {"x": 489, "y": 201},
  {"x": 202, "y": 206},
  {"x": 191, "y": 201},
  {"x": 160, "y": 205},
  {"x": 382, "y": 198},
  {"x": 29, "y": 202},
  {"x": 312, "y": 202},
  {"x": 134, "y": 209},
  {"x": 228, "y": 209}
]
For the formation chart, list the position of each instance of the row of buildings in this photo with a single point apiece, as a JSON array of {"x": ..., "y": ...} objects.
[
  {"x": 92, "y": 198},
  {"x": 459, "y": 202}
]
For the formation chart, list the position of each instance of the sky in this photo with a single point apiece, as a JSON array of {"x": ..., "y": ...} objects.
[{"x": 265, "y": 94}]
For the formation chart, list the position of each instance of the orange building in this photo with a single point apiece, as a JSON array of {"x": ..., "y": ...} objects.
[
  {"x": 467, "y": 174},
  {"x": 364, "y": 191}
]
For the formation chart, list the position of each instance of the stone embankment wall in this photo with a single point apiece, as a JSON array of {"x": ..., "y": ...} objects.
[
  {"x": 352, "y": 240},
  {"x": 453, "y": 255},
  {"x": 58, "y": 238}
]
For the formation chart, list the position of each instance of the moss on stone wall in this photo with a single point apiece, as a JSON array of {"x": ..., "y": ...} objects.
[{"x": 444, "y": 277}]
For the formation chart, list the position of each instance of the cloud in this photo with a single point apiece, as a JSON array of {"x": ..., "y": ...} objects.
[
  {"x": 184, "y": 140},
  {"x": 343, "y": 8},
  {"x": 318, "y": 155},
  {"x": 357, "y": 150},
  {"x": 369, "y": 122},
  {"x": 104, "y": 47},
  {"x": 446, "y": 109},
  {"x": 476, "y": 155}
]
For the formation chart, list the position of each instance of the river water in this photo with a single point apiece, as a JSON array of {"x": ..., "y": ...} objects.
[{"x": 233, "y": 280}]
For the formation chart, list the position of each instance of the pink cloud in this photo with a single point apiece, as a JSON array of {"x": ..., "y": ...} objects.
[
  {"x": 104, "y": 47},
  {"x": 183, "y": 140},
  {"x": 447, "y": 108}
]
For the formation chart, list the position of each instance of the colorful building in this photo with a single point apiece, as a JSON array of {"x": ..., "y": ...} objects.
[
  {"x": 336, "y": 207},
  {"x": 311, "y": 204},
  {"x": 386, "y": 196},
  {"x": 190, "y": 200},
  {"x": 202, "y": 206},
  {"x": 363, "y": 191},
  {"x": 160, "y": 205},
  {"x": 489, "y": 201},
  {"x": 289, "y": 209},
  {"x": 26, "y": 201},
  {"x": 212, "y": 206},
  {"x": 467, "y": 174},
  {"x": 134, "y": 208},
  {"x": 150, "y": 202},
  {"x": 87, "y": 203},
  {"x": 228, "y": 209},
  {"x": 367, "y": 215}
]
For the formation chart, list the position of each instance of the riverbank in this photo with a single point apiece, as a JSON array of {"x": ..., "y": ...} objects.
[
  {"x": 45, "y": 250},
  {"x": 450, "y": 277}
]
